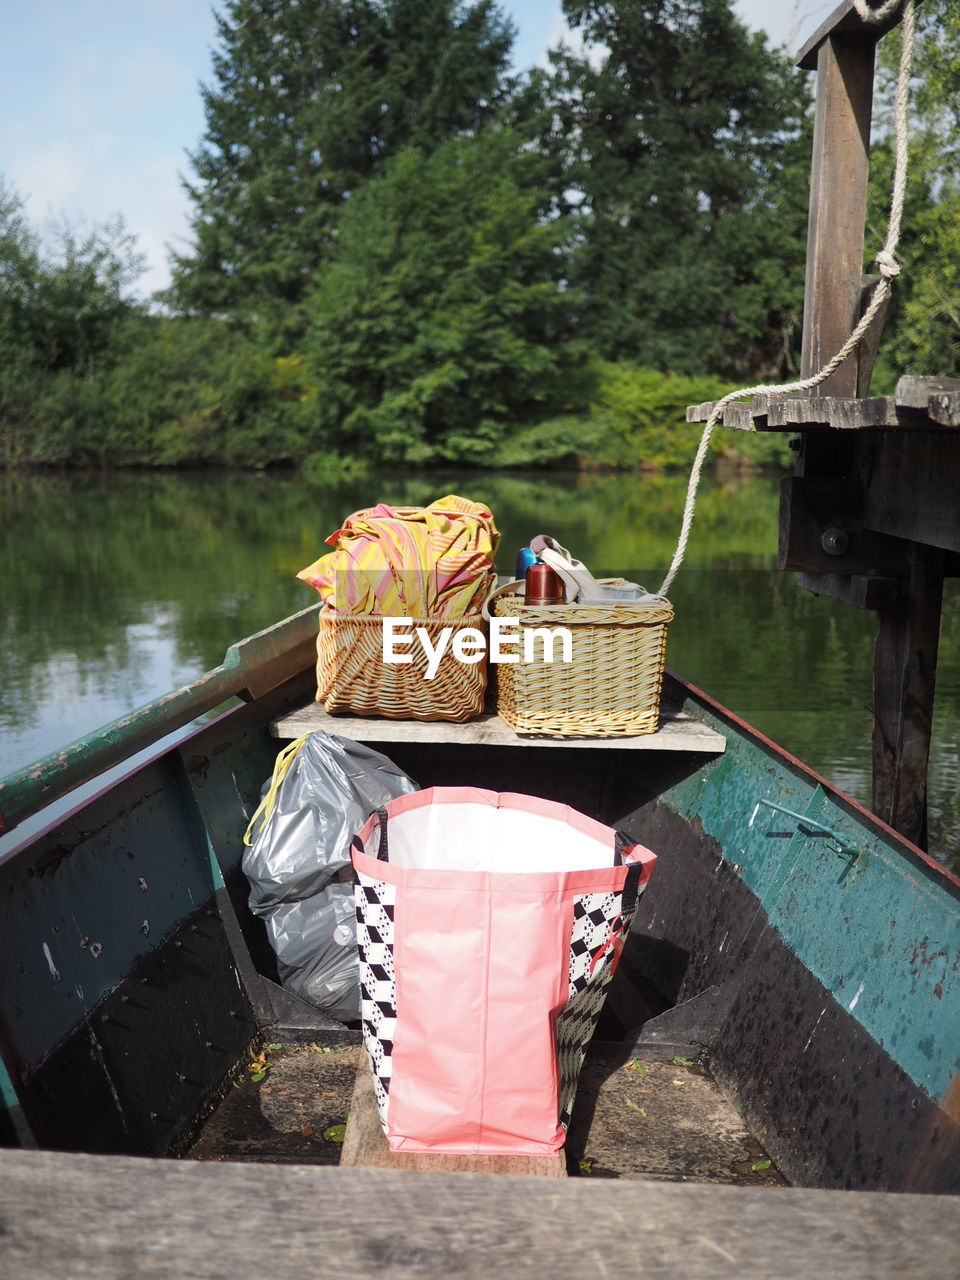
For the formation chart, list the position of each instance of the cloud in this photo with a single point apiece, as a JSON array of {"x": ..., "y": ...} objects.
[
  {"x": 108, "y": 106},
  {"x": 50, "y": 179},
  {"x": 540, "y": 26},
  {"x": 787, "y": 23}
]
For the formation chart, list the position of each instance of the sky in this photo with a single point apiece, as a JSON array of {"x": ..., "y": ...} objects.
[{"x": 102, "y": 103}]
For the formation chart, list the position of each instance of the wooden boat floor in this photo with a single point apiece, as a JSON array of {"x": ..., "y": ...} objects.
[{"x": 632, "y": 1120}]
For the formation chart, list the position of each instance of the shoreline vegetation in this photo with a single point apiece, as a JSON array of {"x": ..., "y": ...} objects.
[
  {"x": 404, "y": 254},
  {"x": 251, "y": 418}
]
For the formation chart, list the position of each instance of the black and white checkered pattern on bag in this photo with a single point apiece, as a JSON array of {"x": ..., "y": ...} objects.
[
  {"x": 594, "y": 916},
  {"x": 375, "y": 902}
]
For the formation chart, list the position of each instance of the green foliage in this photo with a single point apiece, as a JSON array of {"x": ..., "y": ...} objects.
[
  {"x": 49, "y": 417},
  {"x": 441, "y": 318},
  {"x": 19, "y": 268},
  {"x": 636, "y": 418},
  {"x": 80, "y": 310},
  {"x": 567, "y": 441},
  {"x": 923, "y": 324},
  {"x": 180, "y": 392},
  {"x": 681, "y": 157},
  {"x": 386, "y": 270},
  {"x": 197, "y": 392},
  {"x": 65, "y": 322},
  {"x": 928, "y": 339},
  {"x": 645, "y": 413},
  {"x": 308, "y": 103},
  {"x": 62, "y": 300}
]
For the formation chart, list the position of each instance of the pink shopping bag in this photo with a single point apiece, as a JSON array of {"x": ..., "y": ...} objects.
[{"x": 488, "y": 928}]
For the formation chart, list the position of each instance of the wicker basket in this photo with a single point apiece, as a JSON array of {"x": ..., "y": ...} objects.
[
  {"x": 611, "y": 688},
  {"x": 352, "y": 676}
]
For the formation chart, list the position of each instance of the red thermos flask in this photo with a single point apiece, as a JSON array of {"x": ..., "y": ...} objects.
[{"x": 542, "y": 586}]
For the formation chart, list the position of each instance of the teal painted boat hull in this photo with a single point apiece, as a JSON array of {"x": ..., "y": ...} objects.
[{"x": 805, "y": 951}]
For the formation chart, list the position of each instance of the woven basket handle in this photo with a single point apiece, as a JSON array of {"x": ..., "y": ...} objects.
[{"x": 508, "y": 588}]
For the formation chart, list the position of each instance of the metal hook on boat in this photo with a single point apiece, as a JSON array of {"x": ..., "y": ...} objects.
[{"x": 815, "y": 827}]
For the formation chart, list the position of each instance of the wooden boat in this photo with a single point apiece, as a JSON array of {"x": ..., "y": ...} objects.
[
  {"x": 804, "y": 952},
  {"x": 809, "y": 953}
]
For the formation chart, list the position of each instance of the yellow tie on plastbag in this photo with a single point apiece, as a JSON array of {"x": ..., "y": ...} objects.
[{"x": 267, "y": 805}]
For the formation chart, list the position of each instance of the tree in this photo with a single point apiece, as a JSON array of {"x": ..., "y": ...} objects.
[
  {"x": 923, "y": 324},
  {"x": 19, "y": 270},
  {"x": 686, "y": 171},
  {"x": 309, "y": 101},
  {"x": 441, "y": 319},
  {"x": 196, "y": 391},
  {"x": 81, "y": 304},
  {"x": 64, "y": 299},
  {"x": 65, "y": 319}
]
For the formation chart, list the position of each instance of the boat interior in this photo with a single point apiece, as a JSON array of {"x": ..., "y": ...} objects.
[{"x": 138, "y": 989}]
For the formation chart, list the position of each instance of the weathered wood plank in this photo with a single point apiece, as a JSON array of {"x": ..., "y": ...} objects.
[
  {"x": 910, "y": 486},
  {"x": 743, "y": 415},
  {"x": 700, "y": 412},
  {"x": 857, "y": 590},
  {"x": 945, "y": 409},
  {"x": 676, "y": 733},
  {"x": 844, "y": 414},
  {"x": 821, "y": 532},
  {"x": 812, "y": 411},
  {"x": 837, "y": 413},
  {"x": 109, "y": 1218},
  {"x": 844, "y": 20},
  {"x": 914, "y": 392},
  {"x": 904, "y": 677},
  {"x": 939, "y": 398},
  {"x": 365, "y": 1146},
  {"x": 838, "y": 203}
]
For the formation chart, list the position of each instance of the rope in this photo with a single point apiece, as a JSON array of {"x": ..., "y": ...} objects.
[
  {"x": 867, "y": 13},
  {"x": 886, "y": 262}
]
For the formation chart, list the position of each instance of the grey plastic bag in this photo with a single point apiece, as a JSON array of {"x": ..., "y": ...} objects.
[{"x": 298, "y": 862}]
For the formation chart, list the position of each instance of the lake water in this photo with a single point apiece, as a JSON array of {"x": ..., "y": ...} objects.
[{"x": 117, "y": 588}]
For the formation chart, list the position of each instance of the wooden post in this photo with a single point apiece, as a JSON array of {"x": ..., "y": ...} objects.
[
  {"x": 904, "y": 676},
  {"x": 838, "y": 205},
  {"x": 842, "y": 52}
]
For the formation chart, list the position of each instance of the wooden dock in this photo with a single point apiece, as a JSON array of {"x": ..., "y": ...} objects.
[{"x": 870, "y": 515}]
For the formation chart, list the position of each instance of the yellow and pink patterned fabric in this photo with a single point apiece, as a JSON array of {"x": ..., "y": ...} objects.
[{"x": 418, "y": 562}]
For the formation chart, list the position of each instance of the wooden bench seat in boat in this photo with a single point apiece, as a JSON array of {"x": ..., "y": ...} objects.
[{"x": 677, "y": 732}]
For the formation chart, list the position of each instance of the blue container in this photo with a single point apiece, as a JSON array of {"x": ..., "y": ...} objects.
[{"x": 525, "y": 558}]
